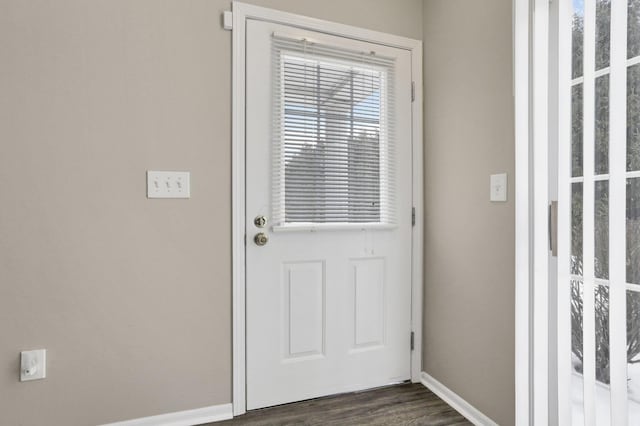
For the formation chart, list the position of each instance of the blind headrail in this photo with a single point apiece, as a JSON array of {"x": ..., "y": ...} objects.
[{"x": 315, "y": 43}]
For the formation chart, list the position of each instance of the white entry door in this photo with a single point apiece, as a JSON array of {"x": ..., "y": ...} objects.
[{"x": 328, "y": 214}]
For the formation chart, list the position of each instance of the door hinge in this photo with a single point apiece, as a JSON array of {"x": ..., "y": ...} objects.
[
  {"x": 413, "y": 91},
  {"x": 413, "y": 216},
  {"x": 412, "y": 340}
]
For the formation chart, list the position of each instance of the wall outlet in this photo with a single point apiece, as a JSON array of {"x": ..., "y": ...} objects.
[
  {"x": 33, "y": 365},
  {"x": 168, "y": 184}
]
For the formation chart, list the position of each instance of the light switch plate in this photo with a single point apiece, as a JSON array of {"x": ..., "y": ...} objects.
[
  {"x": 33, "y": 365},
  {"x": 498, "y": 187},
  {"x": 168, "y": 184}
]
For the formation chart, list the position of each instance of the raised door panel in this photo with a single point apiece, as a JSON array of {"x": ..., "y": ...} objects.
[
  {"x": 304, "y": 303},
  {"x": 368, "y": 288}
]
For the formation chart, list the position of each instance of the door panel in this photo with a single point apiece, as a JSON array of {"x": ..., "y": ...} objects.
[
  {"x": 369, "y": 302},
  {"x": 594, "y": 194},
  {"x": 304, "y": 292},
  {"x": 328, "y": 160}
]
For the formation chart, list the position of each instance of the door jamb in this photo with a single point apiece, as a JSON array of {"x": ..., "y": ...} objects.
[
  {"x": 531, "y": 85},
  {"x": 522, "y": 35},
  {"x": 241, "y": 13}
]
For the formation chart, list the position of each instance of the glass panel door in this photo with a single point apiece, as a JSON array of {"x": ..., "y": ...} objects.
[{"x": 599, "y": 185}]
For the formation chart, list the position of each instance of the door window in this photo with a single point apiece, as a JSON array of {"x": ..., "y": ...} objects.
[{"x": 333, "y": 136}]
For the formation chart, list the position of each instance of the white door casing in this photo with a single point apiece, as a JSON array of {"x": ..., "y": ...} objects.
[{"x": 329, "y": 305}]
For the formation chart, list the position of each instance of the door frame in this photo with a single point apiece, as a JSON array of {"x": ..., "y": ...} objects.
[
  {"x": 533, "y": 351},
  {"x": 241, "y": 12},
  {"x": 523, "y": 106}
]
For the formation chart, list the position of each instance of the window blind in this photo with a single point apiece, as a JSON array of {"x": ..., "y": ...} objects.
[{"x": 333, "y": 135}]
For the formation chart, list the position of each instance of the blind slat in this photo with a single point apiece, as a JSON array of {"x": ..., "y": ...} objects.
[{"x": 333, "y": 135}]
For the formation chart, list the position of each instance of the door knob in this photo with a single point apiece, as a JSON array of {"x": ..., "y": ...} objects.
[
  {"x": 260, "y": 221},
  {"x": 261, "y": 239}
]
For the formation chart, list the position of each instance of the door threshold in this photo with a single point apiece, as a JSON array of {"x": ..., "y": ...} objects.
[{"x": 334, "y": 395}]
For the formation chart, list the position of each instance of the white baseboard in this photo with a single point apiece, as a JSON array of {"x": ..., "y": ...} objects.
[
  {"x": 215, "y": 413},
  {"x": 471, "y": 413}
]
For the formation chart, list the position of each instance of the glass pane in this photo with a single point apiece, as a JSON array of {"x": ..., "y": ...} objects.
[
  {"x": 603, "y": 33},
  {"x": 602, "y": 126},
  {"x": 633, "y": 356},
  {"x": 633, "y": 231},
  {"x": 633, "y": 28},
  {"x": 603, "y": 391},
  {"x": 577, "y": 42},
  {"x": 577, "y": 382},
  {"x": 633, "y": 118},
  {"x": 332, "y": 118},
  {"x": 602, "y": 229},
  {"x": 577, "y": 124},
  {"x": 576, "y": 229}
]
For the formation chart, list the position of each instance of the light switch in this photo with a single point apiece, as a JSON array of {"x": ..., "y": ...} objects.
[
  {"x": 33, "y": 365},
  {"x": 168, "y": 184},
  {"x": 498, "y": 187}
]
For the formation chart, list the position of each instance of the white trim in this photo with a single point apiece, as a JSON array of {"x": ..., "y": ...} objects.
[
  {"x": 312, "y": 227},
  {"x": 540, "y": 176},
  {"x": 563, "y": 278},
  {"x": 248, "y": 11},
  {"x": 238, "y": 209},
  {"x": 578, "y": 80},
  {"x": 588, "y": 219},
  {"x": 617, "y": 214},
  {"x": 242, "y": 12},
  {"x": 521, "y": 51},
  {"x": 214, "y": 413},
  {"x": 634, "y": 60},
  {"x": 470, "y": 412},
  {"x": 417, "y": 235}
]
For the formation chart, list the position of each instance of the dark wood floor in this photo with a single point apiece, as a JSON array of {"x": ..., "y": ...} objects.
[{"x": 408, "y": 404}]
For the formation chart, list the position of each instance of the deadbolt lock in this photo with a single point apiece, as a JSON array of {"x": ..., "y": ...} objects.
[
  {"x": 261, "y": 239},
  {"x": 260, "y": 221}
]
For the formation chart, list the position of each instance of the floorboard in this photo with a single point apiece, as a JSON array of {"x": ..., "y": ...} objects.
[{"x": 406, "y": 404}]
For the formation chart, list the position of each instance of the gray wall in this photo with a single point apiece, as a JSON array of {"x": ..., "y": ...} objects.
[
  {"x": 469, "y": 255},
  {"x": 131, "y": 297}
]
